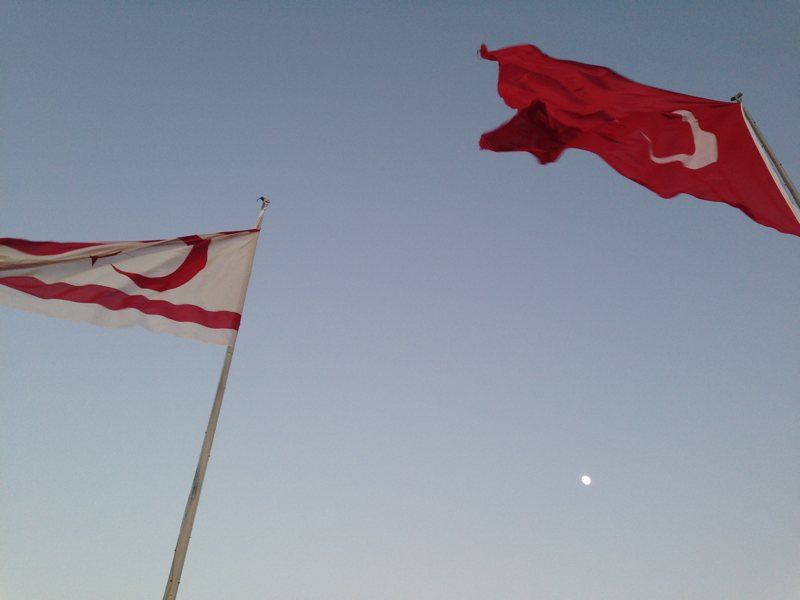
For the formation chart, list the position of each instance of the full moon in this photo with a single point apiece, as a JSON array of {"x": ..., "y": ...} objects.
[{"x": 586, "y": 480}]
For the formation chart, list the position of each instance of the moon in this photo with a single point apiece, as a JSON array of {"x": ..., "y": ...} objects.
[{"x": 586, "y": 480}]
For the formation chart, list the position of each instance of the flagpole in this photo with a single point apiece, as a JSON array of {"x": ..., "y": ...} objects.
[
  {"x": 778, "y": 166},
  {"x": 205, "y": 452}
]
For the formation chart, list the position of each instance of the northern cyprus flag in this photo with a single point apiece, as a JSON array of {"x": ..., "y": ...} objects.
[{"x": 192, "y": 286}]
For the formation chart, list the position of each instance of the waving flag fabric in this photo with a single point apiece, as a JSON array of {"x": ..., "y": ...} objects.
[
  {"x": 192, "y": 286},
  {"x": 670, "y": 143}
]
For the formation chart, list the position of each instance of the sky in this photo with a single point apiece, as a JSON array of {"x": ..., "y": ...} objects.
[{"x": 437, "y": 341}]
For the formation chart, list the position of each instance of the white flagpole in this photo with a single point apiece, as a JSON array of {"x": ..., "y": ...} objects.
[
  {"x": 205, "y": 452},
  {"x": 778, "y": 166}
]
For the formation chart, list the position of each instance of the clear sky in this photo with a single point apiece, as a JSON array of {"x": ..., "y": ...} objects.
[{"x": 437, "y": 342}]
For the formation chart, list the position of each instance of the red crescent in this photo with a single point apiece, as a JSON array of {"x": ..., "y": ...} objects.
[{"x": 191, "y": 266}]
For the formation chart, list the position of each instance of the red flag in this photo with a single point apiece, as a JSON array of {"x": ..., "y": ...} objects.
[
  {"x": 192, "y": 286},
  {"x": 670, "y": 143}
]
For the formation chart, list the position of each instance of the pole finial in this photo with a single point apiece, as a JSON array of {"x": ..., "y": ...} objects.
[
  {"x": 264, "y": 204},
  {"x": 737, "y": 98}
]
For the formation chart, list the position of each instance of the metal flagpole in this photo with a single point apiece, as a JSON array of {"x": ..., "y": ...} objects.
[
  {"x": 205, "y": 452},
  {"x": 778, "y": 166}
]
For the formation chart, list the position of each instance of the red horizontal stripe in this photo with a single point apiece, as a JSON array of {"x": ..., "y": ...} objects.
[
  {"x": 45, "y": 248},
  {"x": 52, "y": 248},
  {"x": 114, "y": 299}
]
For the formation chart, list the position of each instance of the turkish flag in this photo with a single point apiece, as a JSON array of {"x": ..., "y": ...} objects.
[{"x": 670, "y": 143}]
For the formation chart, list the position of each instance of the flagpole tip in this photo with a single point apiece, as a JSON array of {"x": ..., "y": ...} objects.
[{"x": 264, "y": 204}]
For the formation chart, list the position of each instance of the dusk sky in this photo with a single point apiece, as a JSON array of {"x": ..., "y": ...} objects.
[{"x": 437, "y": 342}]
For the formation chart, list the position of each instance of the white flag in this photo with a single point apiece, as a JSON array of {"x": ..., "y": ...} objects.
[{"x": 192, "y": 286}]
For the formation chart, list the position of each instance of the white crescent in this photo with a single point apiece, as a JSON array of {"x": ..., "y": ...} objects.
[{"x": 705, "y": 146}]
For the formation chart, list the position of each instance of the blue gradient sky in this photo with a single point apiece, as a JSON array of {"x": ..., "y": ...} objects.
[{"x": 437, "y": 341}]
